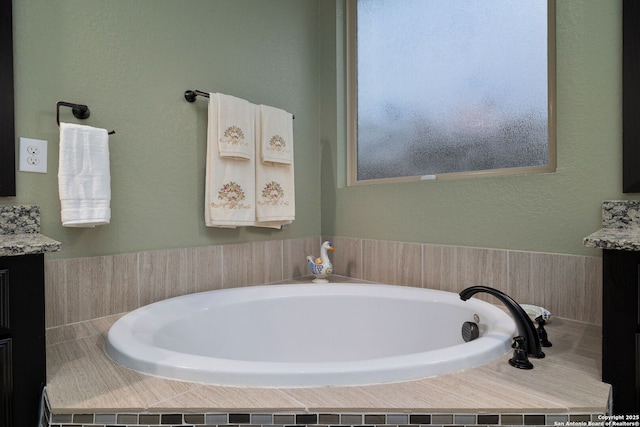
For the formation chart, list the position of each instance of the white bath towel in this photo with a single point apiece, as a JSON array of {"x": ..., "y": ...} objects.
[
  {"x": 277, "y": 135},
  {"x": 84, "y": 179},
  {"x": 235, "y": 126},
  {"x": 275, "y": 187},
  {"x": 229, "y": 181}
]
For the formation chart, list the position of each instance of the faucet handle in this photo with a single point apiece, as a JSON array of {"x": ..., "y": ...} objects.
[
  {"x": 520, "y": 358},
  {"x": 542, "y": 332}
]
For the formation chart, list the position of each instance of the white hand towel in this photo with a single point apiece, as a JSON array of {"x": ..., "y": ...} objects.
[
  {"x": 84, "y": 180},
  {"x": 277, "y": 135},
  {"x": 229, "y": 181},
  {"x": 235, "y": 126},
  {"x": 275, "y": 188}
]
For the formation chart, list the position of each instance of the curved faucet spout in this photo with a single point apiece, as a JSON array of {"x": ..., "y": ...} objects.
[{"x": 523, "y": 322}]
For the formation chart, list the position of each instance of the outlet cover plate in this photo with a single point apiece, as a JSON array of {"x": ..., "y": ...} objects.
[{"x": 33, "y": 155}]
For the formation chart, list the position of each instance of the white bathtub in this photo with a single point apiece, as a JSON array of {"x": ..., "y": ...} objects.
[{"x": 306, "y": 335}]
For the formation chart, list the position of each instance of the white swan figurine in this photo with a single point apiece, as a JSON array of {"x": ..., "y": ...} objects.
[{"x": 321, "y": 267}]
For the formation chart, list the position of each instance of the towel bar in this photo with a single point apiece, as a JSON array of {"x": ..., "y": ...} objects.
[
  {"x": 80, "y": 111},
  {"x": 190, "y": 96}
]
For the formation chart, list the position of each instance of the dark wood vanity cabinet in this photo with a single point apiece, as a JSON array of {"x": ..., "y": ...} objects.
[
  {"x": 22, "y": 339},
  {"x": 6, "y": 378},
  {"x": 621, "y": 328}
]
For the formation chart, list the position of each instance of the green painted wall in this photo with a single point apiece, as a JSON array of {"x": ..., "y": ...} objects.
[
  {"x": 540, "y": 212},
  {"x": 130, "y": 61}
]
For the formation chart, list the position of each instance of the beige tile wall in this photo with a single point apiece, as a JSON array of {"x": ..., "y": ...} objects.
[
  {"x": 87, "y": 288},
  {"x": 568, "y": 286}
]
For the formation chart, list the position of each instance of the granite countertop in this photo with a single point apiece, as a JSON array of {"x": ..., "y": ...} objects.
[
  {"x": 620, "y": 227},
  {"x": 20, "y": 232},
  {"x": 614, "y": 238},
  {"x": 26, "y": 244}
]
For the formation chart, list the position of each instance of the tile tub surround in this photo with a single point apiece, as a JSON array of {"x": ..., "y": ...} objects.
[
  {"x": 620, "y": 226},
  {"x": 86, "y": 388},
  {"x": 569, "y": 286},
  {"x": 224, "y": 419},
  {"x": 20, "y": 232},
  {"x": 82, "y": 289}
]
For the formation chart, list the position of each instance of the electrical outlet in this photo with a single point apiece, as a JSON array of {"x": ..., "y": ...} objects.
[{"x": 33, "y": 155}]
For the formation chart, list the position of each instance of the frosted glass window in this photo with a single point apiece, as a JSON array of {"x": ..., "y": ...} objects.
[{"x": 450, "y": 86}]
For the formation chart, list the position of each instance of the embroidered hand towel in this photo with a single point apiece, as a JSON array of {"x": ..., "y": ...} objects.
[
  {"x": 229, "y": 181},
  {"x": 275, "y": 188},
  {"x": 235, "y": 126},
  {"x": 84, "y": 179},
  {"x": 277, "y": 135}
]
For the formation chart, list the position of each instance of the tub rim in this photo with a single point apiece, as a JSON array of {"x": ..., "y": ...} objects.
[{"x": 122, "y": 347}]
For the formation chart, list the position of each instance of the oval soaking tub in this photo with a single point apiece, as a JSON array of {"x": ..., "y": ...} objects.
[{"x": 308, "y": 335}]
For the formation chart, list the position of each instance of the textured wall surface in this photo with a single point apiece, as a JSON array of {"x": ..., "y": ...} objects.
[
  {"x": 548, "y": 212},
  {"x": 130, "y": 62}
]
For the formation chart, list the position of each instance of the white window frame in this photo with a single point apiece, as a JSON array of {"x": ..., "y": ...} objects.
[{"x": 352, "y": 110}]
